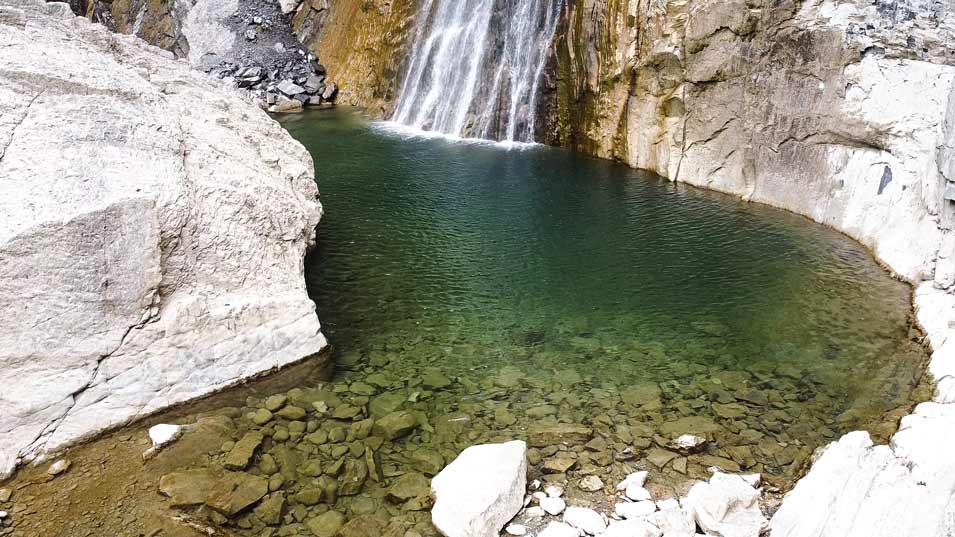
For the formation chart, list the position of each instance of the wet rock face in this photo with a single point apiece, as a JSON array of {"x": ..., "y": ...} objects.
[
  {"x": 133, "y": 233},
  {"x": 829, "y": 109}
]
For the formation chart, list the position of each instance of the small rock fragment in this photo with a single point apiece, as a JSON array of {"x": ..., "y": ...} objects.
[{"x": 59, "y": 467}]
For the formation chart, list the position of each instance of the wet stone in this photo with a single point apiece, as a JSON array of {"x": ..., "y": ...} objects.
[
  {"x": 326, "y": 524},
  {"x": 558, "y": 465},
  {"x": 240, "y": 455},
  {"x": 189, "y": 487},
  {"x": 549, "y": 435},
  {"x": 395, "y": 425},
  {"x": 292, "y": 413},
  {"x": 261, "y": 416},
  {"x": 308, "y": 496},
  {"x": 271, "y": 509},
  {"x": 275, "y": 402},
  {"x": 346, "y": 412},
  {"x": 235, "y": 491},
  {"x": 409, "y": 486},
  {"x": 660, "y": 457}
]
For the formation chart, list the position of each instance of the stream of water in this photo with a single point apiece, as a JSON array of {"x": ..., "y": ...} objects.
[{"x": 476, "y": 66}]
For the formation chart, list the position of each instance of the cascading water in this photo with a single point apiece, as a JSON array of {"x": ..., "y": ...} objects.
[{"x": 476, "y": 66}]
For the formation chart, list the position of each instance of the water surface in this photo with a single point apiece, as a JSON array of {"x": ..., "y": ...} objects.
[{"x": 550, "y": 287}]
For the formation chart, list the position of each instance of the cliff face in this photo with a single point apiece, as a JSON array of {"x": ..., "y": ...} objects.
[
  {"x": 364, "y": 43},
  {"x": 835, "y": 110},
  {"x": 153, "y": 226}
]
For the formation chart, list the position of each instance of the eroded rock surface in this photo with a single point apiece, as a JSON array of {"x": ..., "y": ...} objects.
[{"x": 152, "y": 232}]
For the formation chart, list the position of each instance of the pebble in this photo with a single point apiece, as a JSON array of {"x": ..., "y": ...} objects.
[
  {"x": 591, "y": 483},
  {"x": 667, "y": 504},
  {"x": 559, "y": 529},
  {"x": 554, "y": 491},
  {"x": 5, "y": 495},
  {"x": 634, "y": 509},
  {"x": 59, "y": 467},
  {"x": 637, "y": 493},
  {"x": 636, "y": 478},
  {"x": 516, "y": 529},
  {"x": 585, "y": 519},
  {"x": 553, "y": 506},
  {"x": 534, "y": 512}
]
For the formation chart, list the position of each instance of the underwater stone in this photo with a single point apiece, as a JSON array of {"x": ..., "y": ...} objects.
[
  {"x": 235, "y": 491},
  {"x": 326, "y": 524},
  {"x": 189, "y": 487},
  {"x": 261, "y": 416},
  {"x": 240, "y": 455},
  {"x": 408, "y": 486},
  {"x": 395, "y": 425},
  {"x": 549, "y": 435},
  {"x": 271, "y": 509}
]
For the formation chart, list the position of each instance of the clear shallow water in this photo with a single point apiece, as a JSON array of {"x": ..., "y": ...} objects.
[{"x": 490, "y": 290}]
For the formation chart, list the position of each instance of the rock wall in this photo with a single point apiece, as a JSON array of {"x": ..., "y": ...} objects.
[
  {"x": 363, "y": 42},
  {"x": 840, "y": 111},
  {"x": 834, "y": 110},
  {"x": 153, "y": 226}
]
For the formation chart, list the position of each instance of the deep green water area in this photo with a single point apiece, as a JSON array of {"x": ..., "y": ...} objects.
[{"x": 475, "y": 293}]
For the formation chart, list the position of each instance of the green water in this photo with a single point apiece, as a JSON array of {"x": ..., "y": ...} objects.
[{"x": 489, "y": 289}]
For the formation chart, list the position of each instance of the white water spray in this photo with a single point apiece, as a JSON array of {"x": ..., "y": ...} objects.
[{"x": 476, "y": 66}]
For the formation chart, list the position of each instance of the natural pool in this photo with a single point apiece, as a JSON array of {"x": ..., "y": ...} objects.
[
  {"x": 550, "y": 287},
  {"x": 477, "y": 293}
]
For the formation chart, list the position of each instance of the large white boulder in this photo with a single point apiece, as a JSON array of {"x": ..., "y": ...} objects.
[
  {"x": 481, "y": 490},
  {"x": 153, "y": 226},
  {"x": 856, "y": 489},
  {"x": 726, "y": 506}
]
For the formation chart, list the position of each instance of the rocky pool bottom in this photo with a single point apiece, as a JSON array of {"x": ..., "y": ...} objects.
[{"x": 474, "y": 294}]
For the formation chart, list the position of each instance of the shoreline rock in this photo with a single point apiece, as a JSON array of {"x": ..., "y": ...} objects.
[{"x": 160, "y": 303}]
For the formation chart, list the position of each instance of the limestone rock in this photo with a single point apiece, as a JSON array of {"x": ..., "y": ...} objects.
[
  {"x": 726, "y": 506},
  {"x": 553, "y": 505},
  {"x": 587, "y": 520},
  {"x": 166, "y": 205},
  {"x": 550, "y": 435},
  {"x": 481, "y": 490},
  {"x": 636, "y": 528},
  {"x": 559, "y": 529},
  {"x": 856, "y": 489}
]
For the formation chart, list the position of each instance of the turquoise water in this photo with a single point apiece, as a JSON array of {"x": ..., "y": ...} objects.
[{"x": 547, "y": 287}]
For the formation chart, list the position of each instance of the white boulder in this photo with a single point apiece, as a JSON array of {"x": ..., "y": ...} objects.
[
  {"x": 481, "y": 490},
  {"x": 153, "y": 226},
  {"x": 857, "y": 489},
  {"x": 553, "y": 506},
  {"x": 634, "y": 509},
  {"x": 635, "y": 479},
  {"x": 632, "y": 528},
  {"x": 559, "y": 529},
  {"x": 726, "y": 506},
  {"x": 587, "y": 520},
  {"x": 637, "y": 493}
]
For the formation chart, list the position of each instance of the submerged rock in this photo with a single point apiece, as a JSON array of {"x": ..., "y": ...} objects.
[{"x": 481, "y": 490}]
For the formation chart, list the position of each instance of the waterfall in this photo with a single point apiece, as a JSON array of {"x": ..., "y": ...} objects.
[{"x": 475, "y": 67}]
